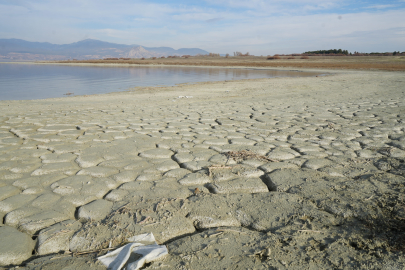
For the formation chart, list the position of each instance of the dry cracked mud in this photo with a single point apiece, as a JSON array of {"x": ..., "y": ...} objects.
[{"x": 283, "y": 173}]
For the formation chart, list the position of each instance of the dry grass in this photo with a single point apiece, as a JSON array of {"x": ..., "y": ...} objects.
[
  {"x": 246, "y": 154},
  {"x": 391, "y": 63}
]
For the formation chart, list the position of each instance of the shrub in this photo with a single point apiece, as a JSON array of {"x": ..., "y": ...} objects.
[
  {"x": 305, "y": 57},
  {"x": 291, "y": 57},
  {"x": 240, "y": 54},
  {"x": 275, "y": 57}
]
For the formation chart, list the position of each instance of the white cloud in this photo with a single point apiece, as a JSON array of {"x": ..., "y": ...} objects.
[
  {"x": 260, "y": 27},
  {"x": 381, "y": 6},
  {"x": 279, "y": 6}
]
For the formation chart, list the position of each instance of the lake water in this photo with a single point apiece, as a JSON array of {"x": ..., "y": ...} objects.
[{"x": 34, "y": 81}]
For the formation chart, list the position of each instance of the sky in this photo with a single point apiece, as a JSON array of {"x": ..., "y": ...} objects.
[{"x": 217, "y": 26}]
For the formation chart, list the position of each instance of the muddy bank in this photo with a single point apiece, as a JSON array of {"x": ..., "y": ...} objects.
[{"x": 284, "y": 173}]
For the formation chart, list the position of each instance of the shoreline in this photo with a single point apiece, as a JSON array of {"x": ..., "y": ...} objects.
[
  {"x": 308, "y": 169},
  {"x": 292, "y": 68},
  {"x": 370, "y": 63}
]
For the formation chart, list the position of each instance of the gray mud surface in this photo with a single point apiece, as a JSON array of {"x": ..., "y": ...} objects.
[{"x": 283, "y": 173}]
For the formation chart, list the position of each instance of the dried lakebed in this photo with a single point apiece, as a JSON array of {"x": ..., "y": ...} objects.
[{"x": 285, "y": 173}]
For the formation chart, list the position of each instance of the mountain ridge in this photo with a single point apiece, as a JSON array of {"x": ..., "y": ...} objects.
[{"x": 19, "y": 49}]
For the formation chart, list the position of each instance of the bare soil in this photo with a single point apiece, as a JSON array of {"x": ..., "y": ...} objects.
[{"x": 392, "y": 63}]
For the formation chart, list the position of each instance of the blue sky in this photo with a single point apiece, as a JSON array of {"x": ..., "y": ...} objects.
[{"x": 219, "y": 26}]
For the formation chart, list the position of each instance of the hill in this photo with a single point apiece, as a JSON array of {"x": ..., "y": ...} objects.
[{"x": 18, "y": 49}]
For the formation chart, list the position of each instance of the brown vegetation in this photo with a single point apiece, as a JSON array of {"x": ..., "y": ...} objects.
[
  {"x": 275, "y": 57},
  {"x": 240, "y": 54},
  {"x": 246, "y": 154},
  {"x": 393, "y": 63}
]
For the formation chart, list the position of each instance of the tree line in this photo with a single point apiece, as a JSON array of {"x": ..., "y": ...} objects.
[{"x": 334, "y": 51}]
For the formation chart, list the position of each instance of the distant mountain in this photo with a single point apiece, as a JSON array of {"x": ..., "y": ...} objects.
[
  {"x": 18, "y": 49},
  {"x": 165, "y": 51},
  {"x": 139, "y": 52}
]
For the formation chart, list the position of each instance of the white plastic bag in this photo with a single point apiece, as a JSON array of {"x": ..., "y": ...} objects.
[{"x": 143, "y": 244}]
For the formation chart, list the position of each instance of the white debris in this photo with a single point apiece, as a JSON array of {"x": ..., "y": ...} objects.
[{"x": 143, "y": 244}]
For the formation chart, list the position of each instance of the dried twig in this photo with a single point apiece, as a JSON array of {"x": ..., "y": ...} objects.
[
  {"x": 152, "y": 224},
  {"x": 148, "y": 218},
  {"x": 369, "y": 198},
  {"x": 229, "y": 230},
  {"x": 215, "y": 234},
  {"x": 309, "y": 231},
  {"x": 57, "y": 234}
]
